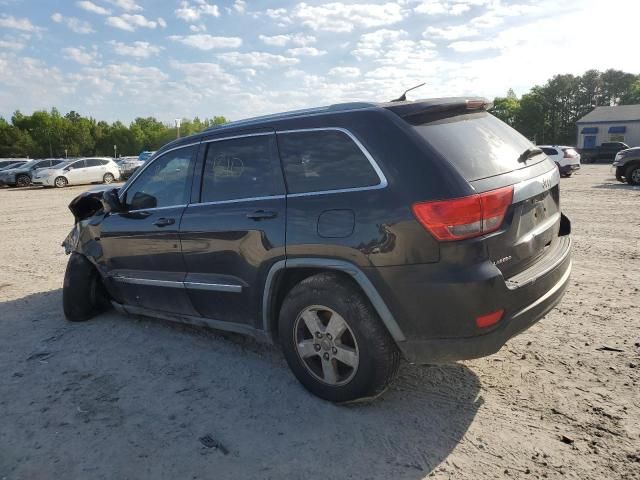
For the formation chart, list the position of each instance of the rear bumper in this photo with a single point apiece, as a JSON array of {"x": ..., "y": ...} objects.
[
  {"x": 436, "y": 305},
  {"x": 452, "y": 349}
]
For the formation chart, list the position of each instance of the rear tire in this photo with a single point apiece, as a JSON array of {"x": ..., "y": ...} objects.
[
  {"x": 60, "y": 182},
  {"x": 108, "y": 178},
  {"x": 633, "y": 175},
  {"x": 83, "y": 295},
  {"x": 357, "y": 362},
  {"x": 23, "y": 181}
]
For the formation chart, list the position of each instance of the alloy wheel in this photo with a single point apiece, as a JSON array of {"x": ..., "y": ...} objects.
[{"x": 326, "y": 345}]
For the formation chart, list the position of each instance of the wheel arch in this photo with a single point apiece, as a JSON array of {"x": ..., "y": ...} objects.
[{"x": 285, "y": 274}]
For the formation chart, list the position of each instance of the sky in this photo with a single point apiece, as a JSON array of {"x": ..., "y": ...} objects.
[{"x": 120, "y": 59}]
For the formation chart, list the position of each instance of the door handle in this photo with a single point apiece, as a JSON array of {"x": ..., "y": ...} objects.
[
  {"x": 163, "y": 222},
  {"x": 262, "y": 215}
]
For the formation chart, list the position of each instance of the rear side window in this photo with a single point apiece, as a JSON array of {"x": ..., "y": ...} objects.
[
  {"x": 241, "y": 168},
  {"x": 93, "y": 162},
  {"x": 550, "y": 151},
  {"x": 323, "y": 160},
  {"x": 478, "y": 145}
]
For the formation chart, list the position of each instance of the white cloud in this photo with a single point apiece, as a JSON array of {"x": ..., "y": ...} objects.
[
  {"x": 80, "y": 55},
  {"x": 11, "y": 45},
  {"x": 126, "y": 5},
  {"x": 130, "y": 22},
  {"x": 24, "y": 24},
  {"x": 450, "y": 33},
  {"x": 136, "y": 49},
  {"x": 371, "y": 44},
  {"x": 197, "y": 28},
  {"x": 74, "y": 24},
  {"x": 472, "y": 46},
  {"x": 192, "y": 11},
  {"x": 306, "y": 52},
  {"x": 257, "y": 59},
  {"x": 283, "y": 40},
  {"x": 240, "y": 6},
  {"x": 92, "y": 7},
  {"x": 448, "y": 7},
  {"x": 344, "y": 17},
  {"x": 205, "y": 75},
  {"x": 203, "y": 41},
  {"x": 346, "y": 72}
]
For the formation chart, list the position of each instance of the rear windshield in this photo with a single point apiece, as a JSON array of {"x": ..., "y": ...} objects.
[{"x": 478, "y": 145}]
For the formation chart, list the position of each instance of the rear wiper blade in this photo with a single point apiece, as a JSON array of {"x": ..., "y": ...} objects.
[{"x": 528, "y": 153}]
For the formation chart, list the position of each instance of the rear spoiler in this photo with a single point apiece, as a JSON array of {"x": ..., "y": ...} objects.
[{"x": 423, "y": 111}]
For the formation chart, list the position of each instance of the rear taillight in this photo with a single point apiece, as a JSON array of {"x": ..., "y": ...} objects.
[
  {"x": 570, "y": 153},
  {"x": 465, "y": 217}
]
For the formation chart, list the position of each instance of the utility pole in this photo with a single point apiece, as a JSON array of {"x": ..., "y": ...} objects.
[
  {"x": 115, "y": 151},
  {"x": 178, "y": 122}
]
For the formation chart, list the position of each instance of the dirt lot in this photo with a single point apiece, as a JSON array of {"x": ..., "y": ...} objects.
[{"x": 119, "y": 397}]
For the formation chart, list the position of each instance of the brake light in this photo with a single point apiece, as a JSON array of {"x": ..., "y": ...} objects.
[
  {"x": 490, "y": 319},
  {"x": 465, "y": 217},
  {"x": 570, "y": 153}
]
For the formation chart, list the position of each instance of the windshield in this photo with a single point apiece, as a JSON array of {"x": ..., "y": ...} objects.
[{"x": 478, "y": 145}]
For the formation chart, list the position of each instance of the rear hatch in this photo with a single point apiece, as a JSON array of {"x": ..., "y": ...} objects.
[{"x": 489, "y": 155}]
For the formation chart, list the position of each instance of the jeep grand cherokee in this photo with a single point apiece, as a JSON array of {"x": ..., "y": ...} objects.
[{"x": 353, "y": 235}]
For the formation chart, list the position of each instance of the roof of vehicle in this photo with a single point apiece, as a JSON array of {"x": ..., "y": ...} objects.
[
  {"x": 408, "y": 110},
  {"x": 397, "y": 107},
  {"x": 618, "y": 113}
]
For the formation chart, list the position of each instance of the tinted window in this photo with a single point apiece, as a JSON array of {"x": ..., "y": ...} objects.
[
  {"x": 241, "y": 168},
  {"x": 550, "y": 151},
  {"x": 56, "y": 162},
  {"x": 478, "y": 145},
  {"x": 94, "y": 162},
  {"x": 324, "y": 160},
  {"x": 164, "y": 183}
]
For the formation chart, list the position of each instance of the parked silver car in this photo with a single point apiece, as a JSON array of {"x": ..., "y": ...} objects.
[{"x": 78, "y": 172}]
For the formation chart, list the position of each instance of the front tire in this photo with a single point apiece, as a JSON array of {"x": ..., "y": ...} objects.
[
  {"x": 83, "y": 295},
  {"x": 633, "y": 175},
  {"x": 334, "y": 342},
  {"x": 61, "y": 182},
  {"x": 108, "y": 178}
]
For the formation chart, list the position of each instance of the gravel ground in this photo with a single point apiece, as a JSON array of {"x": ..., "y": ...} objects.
[{"x": 121, "y": 397}]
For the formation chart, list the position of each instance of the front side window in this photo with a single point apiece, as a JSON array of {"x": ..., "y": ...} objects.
[
  {"x": 164, "y": 183},
  {"x": 75, "y": 165},
  {"x": 324, "y": 160},
  {"x": 241, "y": 168}
]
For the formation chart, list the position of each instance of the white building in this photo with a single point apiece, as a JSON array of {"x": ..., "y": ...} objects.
[{"x": 609, "y": 124}]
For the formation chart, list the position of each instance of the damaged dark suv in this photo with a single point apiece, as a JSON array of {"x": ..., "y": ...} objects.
[{"x": 352, "y": 235}]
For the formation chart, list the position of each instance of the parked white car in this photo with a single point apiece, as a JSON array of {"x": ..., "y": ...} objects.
[
  {"x": 77, "y": 172},
  {"x": 566, "y": 158}
]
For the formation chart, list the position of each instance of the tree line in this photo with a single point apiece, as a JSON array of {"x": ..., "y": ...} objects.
[
  {"x": 50, "y": 134},
  {"x": 547, "y": 114}
]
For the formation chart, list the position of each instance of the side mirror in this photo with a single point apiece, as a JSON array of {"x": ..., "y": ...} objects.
[
  {"x": 111, "y": 202},
  {"x": 66, "y": 169},
  {"x": 143, "y": 201}
]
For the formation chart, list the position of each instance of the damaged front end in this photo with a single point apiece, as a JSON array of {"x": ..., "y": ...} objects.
[{"x": 89, "y": 209}]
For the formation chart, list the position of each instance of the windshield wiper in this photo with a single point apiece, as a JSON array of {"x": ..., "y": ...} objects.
[{"x": 529, "y": 153}]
